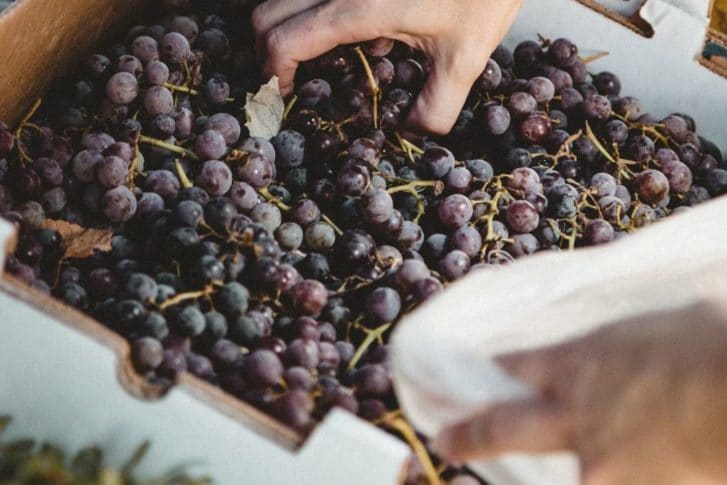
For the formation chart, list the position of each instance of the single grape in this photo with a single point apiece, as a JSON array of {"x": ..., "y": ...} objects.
[
  {"x": 210, "y": 145},
  {"x": 596, "y": 108},
  {"x": 256, "y": 170},
  {"x": 111, "y": 171},
  {"x": 158, "y": 100},
  {"x": 319, "y": 236},
  {"x": 563, "y": 52},
  {"x": 455, "y": 210},
  {"x": 215, "y": 177},
  {"x": 466, "y": 239},
  {"x": 496, "y": 119},
  {"x": 383, "y": 304},
  {"x": 521, "y": 105},
  {"x": 267, "y": 214},
  {"x": 122, "y": 88},
  {"x": 454, "y": 265},
  {"x": 175, "y": 48},
  {"x": 377, "y": 206},
  {"x": 227, "y": 125},
  {"x": 119, "y": 204},
  {"x": 522, "y": 216},
  {"x": 651, "y": 186},
  {"x": 607, "y": 83},
  {"x": 678, "y": 175},
  {"x": 598, "y": 232},
  {"x": 436, "y": 162}
]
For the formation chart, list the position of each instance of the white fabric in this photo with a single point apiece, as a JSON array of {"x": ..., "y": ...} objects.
[{"x": 442, "y": 351}]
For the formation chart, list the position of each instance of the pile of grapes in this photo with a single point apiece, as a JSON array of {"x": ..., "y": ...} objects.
[{"x": 276, "y": 268}]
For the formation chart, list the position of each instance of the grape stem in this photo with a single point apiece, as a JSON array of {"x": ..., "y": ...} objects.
[
  {"x": 412, "y": 186},
  {"x": 373, "y": 85},
  {"x": 181, "y": 89},
  {"x": 289, "y": 106},
  {"x": 285, "y": 207},
  {"x": 371, "y": 336},
  {"x": 21, "y": 151},
  {"x": 168, "y": 146},
  {"x": 594, "y": 57},
  {"x": 191, "y": 295},
  {"x": 396, "y": 422},
  {"x": 183, "y": 179}
]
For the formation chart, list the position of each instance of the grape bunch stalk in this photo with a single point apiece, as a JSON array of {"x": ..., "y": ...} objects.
[{"x": 277, "y": 268}]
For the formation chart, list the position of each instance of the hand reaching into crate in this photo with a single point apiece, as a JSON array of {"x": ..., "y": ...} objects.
[
  {"x": 644, "y": 401},
  {"x": 457, "y": 35}
]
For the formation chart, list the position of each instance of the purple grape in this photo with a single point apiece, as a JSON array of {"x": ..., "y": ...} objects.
[
  {"x": 210, "y": 145},
  {"x": 314, "y": 91},
  {"x": 119, "y": 204},
  {"x": 130, "y": 64},
  {"x": 522, "y": 105},
  {"x": 158, "y": 100},
  {"x": 598, "y": 232},
  {"x": 377, "y": 206},
  {"x": 490, "y": 78},
  {"x": 263, "y": 368},
  {"x": 353, "y": 179},
  {"x": 319, "y": 236},
  {"x": 215, "y": 177},
  {"x": 289, "y": 148},
  {"x": 122, "y": 88},
  {"x": 243, "y": 196},
  {"x": 455, "y": 210},
  {"x": 466, "y": 239},
  {"x": 383, "y": 304},
  {"x": 678, "y": 175},
  {"x": 651, "y": 186},
  {"x": 563, "y": 52},
  {"x": 164, "y": 183},
  {"x": 267, "y": 214},
  {"x": 436, "y": 162},
  {"x": 227, "y": 125},
  {"x": 542, "y": 89},
  {"x": 496, "y": 119},
  {"x": 175, "y": 48},
  {"x": 454, "y": 265},
  {"x": 523, "y": 245},
  {"x": 183, "y": 122},
  {"x": 525, "y": 180},
  {"x": 217, "y": 91},
  {"x": 596, "y": 108},
  {"x": 607, "y": 83},
  {"x": 256, "y": 170},
  {"x": 522, "y": 216},
  {"x": 145, "y": 48},
  {"x": 111, "y": 171}
]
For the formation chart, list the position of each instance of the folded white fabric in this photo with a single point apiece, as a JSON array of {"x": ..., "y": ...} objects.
[{"x": 442, "y": 352}]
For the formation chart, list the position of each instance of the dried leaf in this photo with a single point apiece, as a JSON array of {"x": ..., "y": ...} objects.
[
  {"x": 264, "y": 110},
  {"x": 80, "y": 242}
]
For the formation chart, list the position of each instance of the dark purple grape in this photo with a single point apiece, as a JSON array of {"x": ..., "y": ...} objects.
[
  {"x": 535, "y": 128},
  {"x": 175, "y": 48},
  {"x": 289, "y": 148},
  {"x": 164, "y": 183},
  {"x": 309, "y": 297},
  {"x": 466, "y": 239},
  {"x": 607, "y": 83},
  {"x": 147, "y": 354},
  {"x": 596, "y": 108},
  {"x": 119, "y": 204},
  {"x": 111, "y": 171},
  {"x": 210, "y": 145},
  {"x": 215, "y": 177},
  {"x": 454, "y": 265},
  {"x": 122, "y": 88},
  {"x": 383, "y": 304},
  {"x": 490, "y": 78},
  {"x": 651, "y": 186},
  {"x": 495, "y": 119},
  {"x": 455, "y": 210},
  {"x": 628, "y": 107},
  {"x": 521, "y": 105},
  {"x": 377, "y": 206},
  {"x": 522, "y": 216},
  {"x": 717, "y": 181},
  {"x": 130, "y": 64},
  {"x": 436, "y": 162},
  {"x": 563, "y": 52},
  {"x": 598, "y": 232},
  {"x": 542, "y": 89},
  {"x": 256, "y": 170},
  {"x": 678, "y": 175},
  {"x": 640, "y": 147},
  {"x": 353, "y": 179}
]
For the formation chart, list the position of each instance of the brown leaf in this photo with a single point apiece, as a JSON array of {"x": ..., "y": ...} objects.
[
  {"x": 264, "y": 110},
  {"x": 80, "y": 242}
]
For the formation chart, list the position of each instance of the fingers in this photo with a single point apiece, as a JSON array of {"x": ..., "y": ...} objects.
[
  {"x": 272, "y": 13},
  {"x": 534, "y": 426},
  {"x": 541, "y": 367},
  {"x": 316, "y": 31},
  {"x": 441, "y": 100},
  {"x": 379, "y": 47}
]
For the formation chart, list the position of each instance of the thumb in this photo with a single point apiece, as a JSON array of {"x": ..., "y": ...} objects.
[
  {"x": 440, "y": 101},
  {"x": 532, "y": 425}
]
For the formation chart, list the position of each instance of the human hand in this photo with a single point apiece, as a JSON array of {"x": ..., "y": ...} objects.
[
  {"x": 640, "y": 402},
  {"x": 457, "y": 35}
]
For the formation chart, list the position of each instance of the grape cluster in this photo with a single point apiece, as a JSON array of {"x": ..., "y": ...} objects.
[{"x": 276, "y": 268}]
